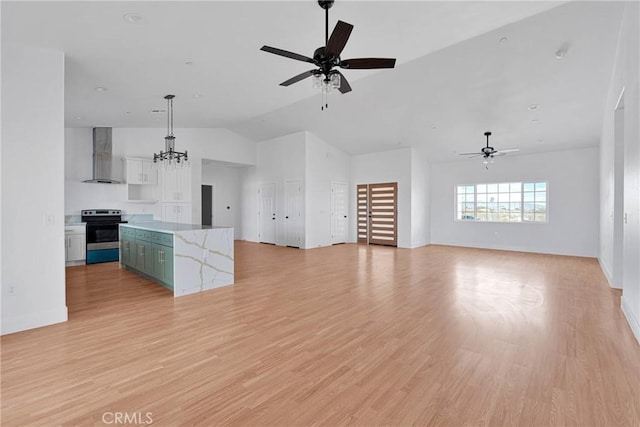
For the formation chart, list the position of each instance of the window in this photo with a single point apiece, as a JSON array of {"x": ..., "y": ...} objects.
[{"x": 504, "y": 202}]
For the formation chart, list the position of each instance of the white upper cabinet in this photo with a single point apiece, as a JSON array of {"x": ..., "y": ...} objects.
[
  {"x": 176, "y": 183},
  {"x": 176, "y": 212},
  {"x": 142, "y": 180},
  {"x": 140, "y": 171}
]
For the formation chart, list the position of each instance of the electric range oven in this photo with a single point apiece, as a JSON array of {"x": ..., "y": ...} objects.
[{"x": 102, "y": 234}]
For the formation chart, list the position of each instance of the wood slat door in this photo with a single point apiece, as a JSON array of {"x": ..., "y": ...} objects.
[
  {"x": 383, "y": 228},
  {"x": 377, "y": 213},
  {"x": 362, "y": 226}
]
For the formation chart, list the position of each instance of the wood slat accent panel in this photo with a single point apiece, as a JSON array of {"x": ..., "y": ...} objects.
[
  {"x": 383, "y": 212},
  {"x": 363, "y": 216}
]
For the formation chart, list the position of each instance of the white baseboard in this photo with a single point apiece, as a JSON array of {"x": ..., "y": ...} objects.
[
  {"x": 608, "y": 275},
  {"x": 11, "y": 325},
  {"x": 513, "y": 248},
  {"x": 633, "y": 322}
]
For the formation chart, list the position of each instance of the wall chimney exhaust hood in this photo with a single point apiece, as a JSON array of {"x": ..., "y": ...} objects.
[{"x": 102, "y": 156}]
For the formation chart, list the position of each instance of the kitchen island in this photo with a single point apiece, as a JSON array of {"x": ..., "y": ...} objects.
[{"x": 184, "y": 258}]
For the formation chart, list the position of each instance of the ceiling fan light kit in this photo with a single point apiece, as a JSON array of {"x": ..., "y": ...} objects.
[
  {"x": 327, "y": 57},
  {"x": 488, "y": 153}
]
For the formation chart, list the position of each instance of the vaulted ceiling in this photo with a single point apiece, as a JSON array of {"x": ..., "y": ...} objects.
[{"x": 463, "y": 68}]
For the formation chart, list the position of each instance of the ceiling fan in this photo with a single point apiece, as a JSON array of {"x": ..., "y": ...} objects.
[
  {"x": 327, "y": 57},
  {"x": 489, "y": 152}
]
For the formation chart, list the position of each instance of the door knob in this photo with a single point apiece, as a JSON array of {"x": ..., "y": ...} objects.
[
  {"x": 345, "y": 216},
  {"x": 286, "y": 217}
]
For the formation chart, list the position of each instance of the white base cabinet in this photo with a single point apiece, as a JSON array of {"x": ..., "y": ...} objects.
[{"x": 75, "y": 249}]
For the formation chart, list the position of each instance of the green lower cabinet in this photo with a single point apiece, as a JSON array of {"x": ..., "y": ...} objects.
[
  {"x": 148, "y": 252},
  {"x": 168, "y": 266},
  {"x": 163, "y": 264},
  {"x": 127, "y": 247},
  {"x": 144, "y": 257}
]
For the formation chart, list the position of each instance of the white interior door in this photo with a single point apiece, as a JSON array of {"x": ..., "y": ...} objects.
[
  {"x": 293, "y": 213},
  {"x": 267, "y": 213},
  {"x": 338, "y": 213}
]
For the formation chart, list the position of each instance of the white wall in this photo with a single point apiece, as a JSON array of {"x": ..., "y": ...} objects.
[
  {"x": 78, "y": 167},
  {"x": 214, "y": 144},
  {"x": 249, "y": 204},
  {"x": 387, "y": 166},
  {"x": 572, "y": 228},
  {"x": 227, "y": 183},
  {"x": 300, "y": 157},
  {"x": 420, "y": 191},
  {"x": 324, "y": 164},
  {"x": 625, "y": 75},
  {"x": 32, "y": 188}
]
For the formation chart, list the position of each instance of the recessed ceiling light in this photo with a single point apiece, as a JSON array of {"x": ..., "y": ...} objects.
[
  {"x": 535, "y": 121},
  {"x": 197, "y": 95},
  {"x": 188, "y": 63},
  {"x": 101, "y": 89},
  {"x": 540, "y": 140},
  {"x": 132, "y": 18},
  {"x": 533, "y": 107},
  {"x": 562, "y": 53},
  {"x": 77, "y": 117},
  {"x": 127, "y": 112},
  {"x": 503, "y": 40}
]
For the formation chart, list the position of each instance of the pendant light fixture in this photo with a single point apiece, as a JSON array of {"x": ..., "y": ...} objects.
[{"x": 170, "y": 156}]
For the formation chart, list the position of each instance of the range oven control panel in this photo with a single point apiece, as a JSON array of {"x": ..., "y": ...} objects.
[{"x": 99, "y": 212}]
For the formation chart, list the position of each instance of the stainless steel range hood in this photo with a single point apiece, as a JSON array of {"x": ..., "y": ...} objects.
[{"x": 102, "y": 156}]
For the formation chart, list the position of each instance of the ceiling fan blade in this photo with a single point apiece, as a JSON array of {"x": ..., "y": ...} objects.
[
  {"x": 344, "y": 84},
  {"x": 509, "y": 150},
  {"x": 368, "y": 63},
  {"x": 473, "y": 156},
  {"x": 338, "y": 38},
  {"x": 287, "y": 54},
  {"x": 297, "y": 78},
  {"x": 469, "y": 154}
]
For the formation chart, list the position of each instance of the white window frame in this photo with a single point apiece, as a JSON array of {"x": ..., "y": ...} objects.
[{"x": 522, "y": 201}]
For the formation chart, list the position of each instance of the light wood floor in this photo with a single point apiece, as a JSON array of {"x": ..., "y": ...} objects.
[{"x": 342, "y": 335}]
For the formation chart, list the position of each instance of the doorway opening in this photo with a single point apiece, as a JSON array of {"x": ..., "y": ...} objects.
[{"x": 208, "y": 193}]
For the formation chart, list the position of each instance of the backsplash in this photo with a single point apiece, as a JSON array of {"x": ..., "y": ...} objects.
[
  {"x": 137, "y": 217},
  {"x": 72, "y": 219}
]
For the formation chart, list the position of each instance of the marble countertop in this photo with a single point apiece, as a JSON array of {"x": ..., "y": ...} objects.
[{"x": 169, "y": 227}]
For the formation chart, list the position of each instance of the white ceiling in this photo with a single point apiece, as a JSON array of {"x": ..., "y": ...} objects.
[{"x": 453, "y": 79}]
